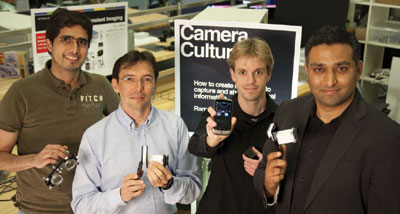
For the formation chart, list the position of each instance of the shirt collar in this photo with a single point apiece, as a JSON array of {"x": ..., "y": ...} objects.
[
  {"x": 57, "y": 83},
  {"x": 127, "y": 122},
  {"x": 339, "y": 118}
]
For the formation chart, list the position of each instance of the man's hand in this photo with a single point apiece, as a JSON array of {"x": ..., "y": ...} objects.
[
  {"x": 250, "y": 165},
  {"x": 131, "y": 187},
  {"x": 214, "y": 139},
  {"x": 50, "y": 154},
  {"x": 274, "y": 171},
  {"x": 158, "y": 175}
]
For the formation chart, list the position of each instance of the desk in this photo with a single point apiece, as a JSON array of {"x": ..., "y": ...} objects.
[
  {"x": 5, "y": 83},
  {"x": 148, "y": 18},
  {"x": 161, "y": 54}
]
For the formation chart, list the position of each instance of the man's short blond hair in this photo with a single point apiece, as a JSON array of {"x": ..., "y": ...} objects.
[{"x": 252, "y": 47}]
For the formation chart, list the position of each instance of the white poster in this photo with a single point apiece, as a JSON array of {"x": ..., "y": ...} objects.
[
  {"x": 202, "y": 72},
  {"x": 109, "y": 41}
]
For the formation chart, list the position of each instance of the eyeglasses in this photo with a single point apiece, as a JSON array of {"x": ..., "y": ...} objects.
[
  {"x": 146, "y": 81},
  {"x": 55, "y": 178},
  {"x": 68, "y": 40}
]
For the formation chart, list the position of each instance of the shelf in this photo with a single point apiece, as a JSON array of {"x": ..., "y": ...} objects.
[
  {"x": 375, "y": 81},
  {"x": 361, "y": 41},
  {"x": 385, "y": 5},
  {"x": 367, "y": 3},
  {"x": 373, "y": 52},
  {"x": 385, "y": 45},
  {"x": 360, "y": 2}
]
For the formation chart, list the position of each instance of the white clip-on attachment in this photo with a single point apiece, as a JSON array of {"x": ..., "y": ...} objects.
[{"x": 281, "y": 137}]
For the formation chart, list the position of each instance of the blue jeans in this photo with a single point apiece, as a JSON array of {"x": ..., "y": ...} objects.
[{"x": 22, "y": 212}]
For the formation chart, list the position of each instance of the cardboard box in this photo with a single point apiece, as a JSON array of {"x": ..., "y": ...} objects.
[
  {"x": 361, "y": 33},
  {"x": 395, "y": 2},
  {"x": 13, "y": 64}
]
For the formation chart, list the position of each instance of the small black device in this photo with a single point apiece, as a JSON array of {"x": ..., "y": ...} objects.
[
  {"x": 271, "y": 132},
  {"x": 143, "y": 159},
  {"x": 223, "y": 118},
  {"x": 250, "y": 153},
  {"x": 165, "y": 160}
]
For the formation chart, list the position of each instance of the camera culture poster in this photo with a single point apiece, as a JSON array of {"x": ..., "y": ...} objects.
[
  {"x": 202, "y": 72},
  {"x": 109, "y": 40}
]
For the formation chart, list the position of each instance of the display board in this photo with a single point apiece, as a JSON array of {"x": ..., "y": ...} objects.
[
  {"x": 109, "y": 41},
  {"x": 202, "y": 72}
]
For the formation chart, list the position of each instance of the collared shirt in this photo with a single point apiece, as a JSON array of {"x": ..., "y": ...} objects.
[
  {"x": 111, "y": 149},
  {"x": 317, "y": 138}
]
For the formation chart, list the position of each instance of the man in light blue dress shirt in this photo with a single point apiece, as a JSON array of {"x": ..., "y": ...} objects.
[{"x": 106, "y": 179}]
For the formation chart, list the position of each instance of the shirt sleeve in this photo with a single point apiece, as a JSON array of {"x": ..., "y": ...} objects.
[
  {"x": 12, "y": 110},
  {"x": 187, "y": 185},
  {"x": 274, "y": 199},
  {"x": 259, "y": 177},
  {"x": 197, "y": 144},
  {"x": 87, "y": 196},
  {"x": 111, "y": 99}
]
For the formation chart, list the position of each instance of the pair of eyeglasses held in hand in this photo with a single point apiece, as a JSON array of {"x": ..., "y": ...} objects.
[{"x": 55, "y": 177}]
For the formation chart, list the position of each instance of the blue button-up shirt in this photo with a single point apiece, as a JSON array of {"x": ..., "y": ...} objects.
[{"x": 111, "y": 149}]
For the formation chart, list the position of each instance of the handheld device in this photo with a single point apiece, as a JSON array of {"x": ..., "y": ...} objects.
[
  {"x": 250, "y": 153},
  {"x": 223, "y": 107},
  {"x": 144, "y": 160},
  {"x": 280, "y": 137},
  {"x": 162, "y": 159}
]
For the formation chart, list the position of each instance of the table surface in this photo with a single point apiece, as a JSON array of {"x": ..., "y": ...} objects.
[{"x": 5, "y": 83}]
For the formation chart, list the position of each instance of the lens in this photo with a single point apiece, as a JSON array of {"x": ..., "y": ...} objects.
[
  {"x": 56, "y": 179},
  {"x": 70, "y": 164}
]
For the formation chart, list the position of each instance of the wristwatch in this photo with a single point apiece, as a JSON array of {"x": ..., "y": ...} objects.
[{"x": 168, "y": 185}]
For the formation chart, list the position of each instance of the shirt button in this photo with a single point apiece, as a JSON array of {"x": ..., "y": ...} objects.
[
  {"x": 310, "y": 152},
  {"x": 301, "y": 180}
]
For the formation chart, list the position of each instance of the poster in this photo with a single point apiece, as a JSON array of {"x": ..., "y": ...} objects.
[
  {"x": 13, "y": 64},
  {"x": 202, "y": 72},
  {"x": 109, "y": 40}
]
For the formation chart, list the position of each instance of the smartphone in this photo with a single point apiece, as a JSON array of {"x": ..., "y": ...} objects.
[{"x": 223, "y": 107}]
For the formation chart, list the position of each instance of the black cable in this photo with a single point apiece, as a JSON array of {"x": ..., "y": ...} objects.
[{"x": 7, "y": 185}]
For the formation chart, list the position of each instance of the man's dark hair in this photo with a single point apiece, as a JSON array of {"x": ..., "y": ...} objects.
[
  {"x": 132, "y": 58},
  {"x": 332, "y": 35},
  {"x": 65, "y": 18}
]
